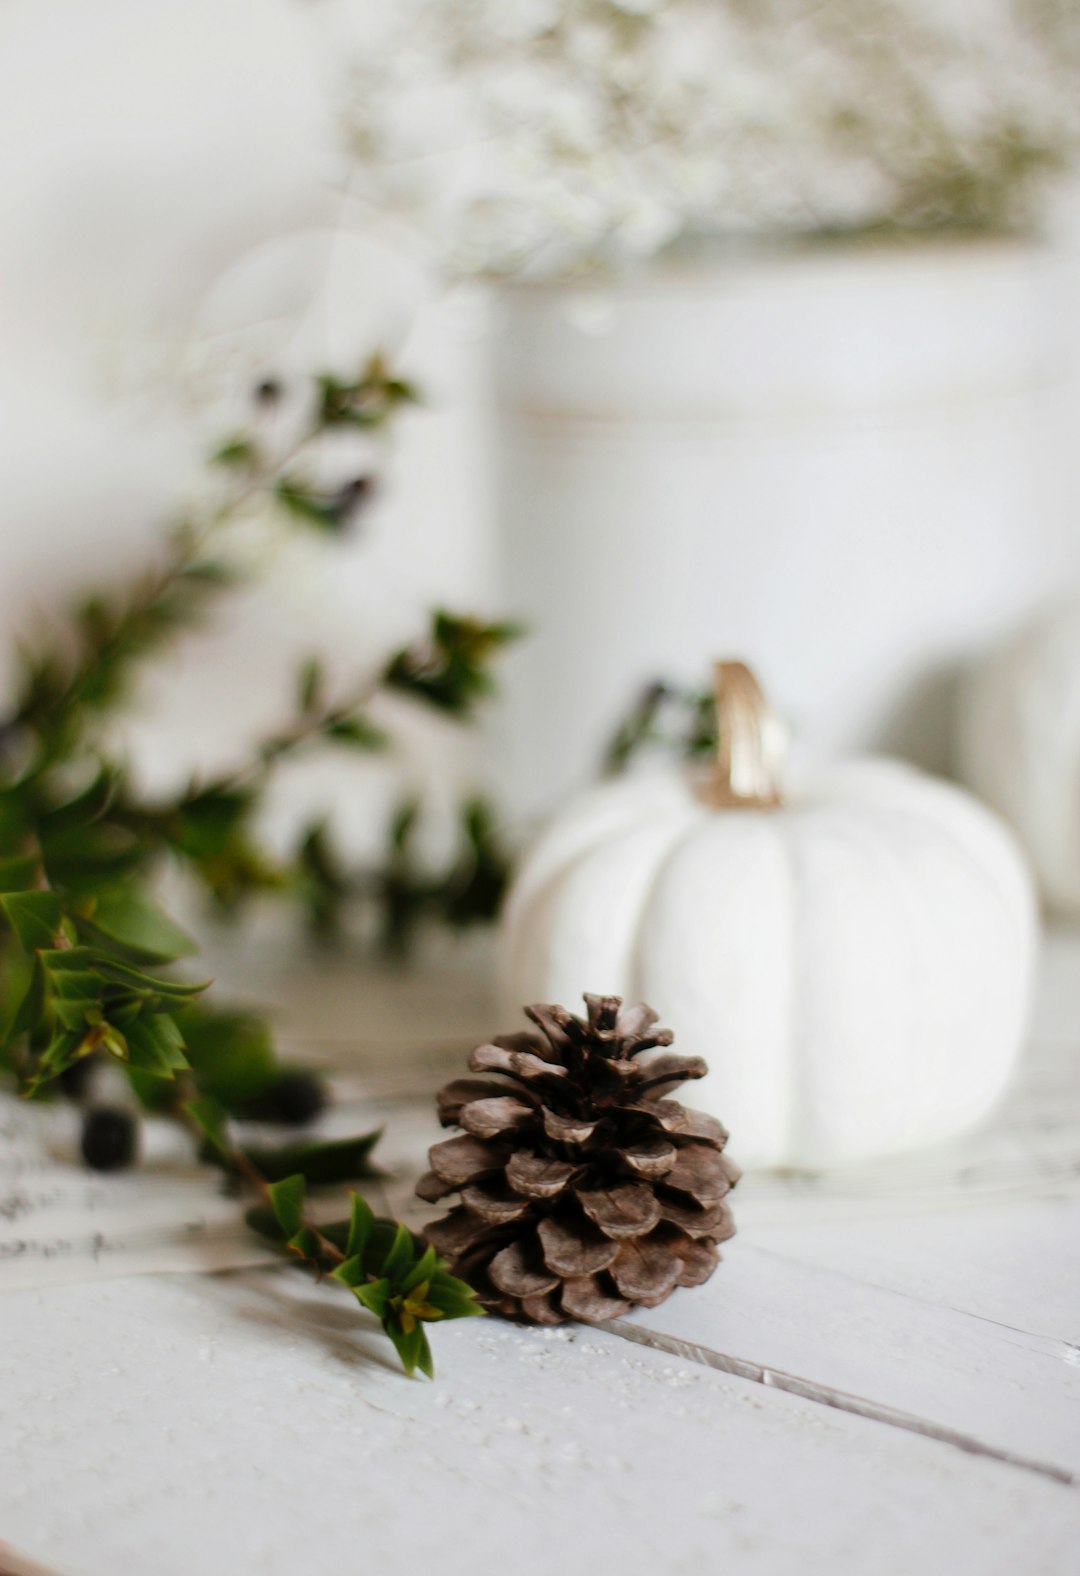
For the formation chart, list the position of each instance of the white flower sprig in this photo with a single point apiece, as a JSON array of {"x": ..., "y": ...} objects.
[{"x": 536, "y": 137}]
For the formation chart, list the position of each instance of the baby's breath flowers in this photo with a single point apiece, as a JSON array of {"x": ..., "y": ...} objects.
[{"x": 535, "y": 137}]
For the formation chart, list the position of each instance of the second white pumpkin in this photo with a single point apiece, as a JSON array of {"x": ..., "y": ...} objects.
[
  {"x": 1019, "y": 746},
  {"x": 854, "y": 966}
]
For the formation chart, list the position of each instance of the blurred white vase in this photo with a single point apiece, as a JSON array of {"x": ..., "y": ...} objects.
[{"x": 832, "y": 462}]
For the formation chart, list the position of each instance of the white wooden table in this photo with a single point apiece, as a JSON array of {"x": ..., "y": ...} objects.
[{"x": 882, "y": 1377}]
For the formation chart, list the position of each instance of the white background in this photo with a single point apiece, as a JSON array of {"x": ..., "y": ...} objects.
[{"x": 176, "y": 224}]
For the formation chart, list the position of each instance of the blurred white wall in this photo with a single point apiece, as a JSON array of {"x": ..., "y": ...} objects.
[{"x": 176, "y": 223}]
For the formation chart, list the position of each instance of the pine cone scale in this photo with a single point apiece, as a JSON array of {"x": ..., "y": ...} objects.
[
  {"x": 575, "y": 1248},
  {"x": 695, "y": 1220},
  {"x": 432, "y": 1188},
  {"x": 490, "y": 1117},
  {"x": 460, "y": 1160},
  {"x": 453, "y": 1234},
  {"x": 645, "y": 1269},
  {"x": 672, "y": 1069},
  {"x": 542, "y": 1310},
  {"x": 629, "y": 1210},
  {"x": 536, "y": 1177},
  {"x": 553, "y": 1033},
  {"x": 650, "y": 1159},
  {"x": 453, "y": 1099},
  {"x": 567, "y": 1129},
  {"x": 636, "y": 1021},
  {"x": 697, "y": 1260},
  {"x": 699, "y": 1171},
  {"x": 519, "y": 1269},
  {"x": 492, "y": 1205},
  {"x": 525, "y": 1066},
  {"x": 583, "y": 1189},
  {"x": 588, "y": 1300}
]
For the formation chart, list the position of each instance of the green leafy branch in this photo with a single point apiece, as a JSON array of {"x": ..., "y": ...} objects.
[
  {"x": 85, "y": 989},
  {"x": 70, "y": 686},
  {"x": 390, "y": 1271},
  {"x": 70, "y": 691},
  {"x": 668, "y": 718},
  {"x": 468, "y": 893},
  {"x": 86, "y": 952},
  {"x": 211, "y": 827},
  {"x": 449, "y": 669}
]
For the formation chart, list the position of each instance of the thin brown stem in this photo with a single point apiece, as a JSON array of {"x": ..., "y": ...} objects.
[{"x": 244, "y": 1166}]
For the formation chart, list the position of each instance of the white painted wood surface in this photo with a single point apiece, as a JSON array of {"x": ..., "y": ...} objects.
[{"x": 883, "y": 1377}]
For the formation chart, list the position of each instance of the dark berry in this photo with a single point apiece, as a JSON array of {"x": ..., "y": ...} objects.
[
  {"x": 74, "y": 1080},
  {"x": 108, "y": 1138},
  {"x": 268, "y": 392},
  {"x": 349, "y": 499},
  {"x": 295, "y": 1098}
]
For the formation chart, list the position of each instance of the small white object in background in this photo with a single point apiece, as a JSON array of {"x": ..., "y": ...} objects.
[
  {"x": 1018, "y": 741},
  {"x": 855, "y": 963}
]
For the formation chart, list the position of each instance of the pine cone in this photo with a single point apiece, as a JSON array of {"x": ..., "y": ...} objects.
[{"x": 583, "y": 1191}]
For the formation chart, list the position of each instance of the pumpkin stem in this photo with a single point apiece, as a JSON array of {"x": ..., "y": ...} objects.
[{"x": 744, "y": 775}]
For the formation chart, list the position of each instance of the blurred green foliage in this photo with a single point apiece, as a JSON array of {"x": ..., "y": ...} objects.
[{"x": 87, "y": 954}]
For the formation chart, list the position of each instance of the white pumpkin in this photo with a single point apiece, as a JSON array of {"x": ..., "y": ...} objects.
[
  {"x": 854, "y": 964},
  {"x": 1019, "y": 746}
]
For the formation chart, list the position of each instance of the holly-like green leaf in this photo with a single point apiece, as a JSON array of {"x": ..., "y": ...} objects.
[
  {"x": 424, "y": 1360},
  {"x": 155, "y": 1045},
  {"x": 360, "y": 1226},
  {"x": 358, "y": 732},
  {"x": 65, "y": 960},
  {"x": 19, "y": 873},
  {"x": 75, "y": 814},
  {"x": 303, "y": 503},
  {"x": 31, "y": 1008},
  {"x": 261, "y": 1219},
  {"x": 286, "y": 1199},
  {"x": 412, "y": 1348},
  {"x": 130, "y": 918},
  {"x": 75, "y": 994},
  {"x": 449, "y": 669},
  {"x": 62, "y": 1051},
  {"x": 375, "y": 1296},
  {"x": 35, "y": 917},
  {"x": 454, "y": 1298},
  {"x": 306, "y": 1245},
  {"x": 147, "y": 987},
  {"x": 350, "y": 1272},
  {"x": 321, "y": 1164},
  {"x": 367, "y": 402},
  {"x": 239, "y": 452},
  {"x": 231, "y": 1053},
  {"x": 207, "y": 821},
  {"x": 212, "y": 574},
  {"x": 399, "y": 1259},
  {"x": 423, "y": 1270},
  {"x": 310, "y": 684}
]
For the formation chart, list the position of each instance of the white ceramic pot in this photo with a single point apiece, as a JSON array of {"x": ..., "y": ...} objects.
[{"x": 832, "y": 460}]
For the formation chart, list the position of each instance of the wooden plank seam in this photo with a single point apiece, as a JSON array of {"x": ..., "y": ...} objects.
[{"x": 839, "y": 1400}]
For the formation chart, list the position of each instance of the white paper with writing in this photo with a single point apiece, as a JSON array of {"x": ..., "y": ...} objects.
[{"x": 61, "y": 1222}]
